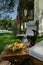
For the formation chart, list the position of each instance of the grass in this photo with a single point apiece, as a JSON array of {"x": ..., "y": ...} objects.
[
  {"x": 39, "y": 39},
  {"x": 6, "y": 39}
]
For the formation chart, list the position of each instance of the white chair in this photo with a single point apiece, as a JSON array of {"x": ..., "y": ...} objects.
[{"x": 32, "y": 31}]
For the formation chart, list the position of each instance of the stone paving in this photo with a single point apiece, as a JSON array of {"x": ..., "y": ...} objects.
[{"x": 5, "y": 63}]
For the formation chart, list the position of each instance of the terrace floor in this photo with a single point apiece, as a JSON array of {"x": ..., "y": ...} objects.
[
  {"x": 36, "y": 62},
  {"x": 5, "y": 62}
]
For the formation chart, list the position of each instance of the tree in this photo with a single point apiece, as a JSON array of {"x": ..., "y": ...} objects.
[
  {"x": 7, "y": 6},
  {"x": 14, "y": 28}
]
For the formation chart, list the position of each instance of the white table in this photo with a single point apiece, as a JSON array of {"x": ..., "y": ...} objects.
[{"x": 37, "y": 51}]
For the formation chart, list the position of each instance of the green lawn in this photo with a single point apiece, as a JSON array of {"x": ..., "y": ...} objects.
[
  {"x": 39, "y": 39},
  {"x": 6, "y": 39}
]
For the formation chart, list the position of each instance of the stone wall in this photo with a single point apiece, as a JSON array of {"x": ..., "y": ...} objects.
[
  {"x": 38, "y": 14},
  {"x": 36, "y": 9}
]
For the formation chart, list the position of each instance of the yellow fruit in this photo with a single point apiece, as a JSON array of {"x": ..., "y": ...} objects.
[
  {"x": 15, "y": 43},
  {"x": 10, "y": 46},
  {"x": 14, "y": 49},
  {"x": 20, "y": 45}
]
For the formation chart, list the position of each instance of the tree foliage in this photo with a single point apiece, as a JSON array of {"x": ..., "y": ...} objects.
[{"x": 7, "y": 6}]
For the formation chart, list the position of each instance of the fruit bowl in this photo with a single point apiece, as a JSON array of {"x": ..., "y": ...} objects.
[{"x": 15, "y": 46}]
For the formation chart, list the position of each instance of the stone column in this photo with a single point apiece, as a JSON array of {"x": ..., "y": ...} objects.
[{"x": 36, "y": 9}]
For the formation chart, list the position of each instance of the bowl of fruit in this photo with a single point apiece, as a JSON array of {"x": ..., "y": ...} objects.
[{"x": 15, "y": 46}]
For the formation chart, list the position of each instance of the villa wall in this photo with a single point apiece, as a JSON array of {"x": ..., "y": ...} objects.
[
  {"x": 38, "y": 14},
  {"x": 38, "y": 7}
]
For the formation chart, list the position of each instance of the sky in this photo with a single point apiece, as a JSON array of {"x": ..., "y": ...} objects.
[{"x": 14, "y": 14}]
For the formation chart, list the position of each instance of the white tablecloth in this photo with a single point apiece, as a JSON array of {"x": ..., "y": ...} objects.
[{"x": 37, "y": 51}]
